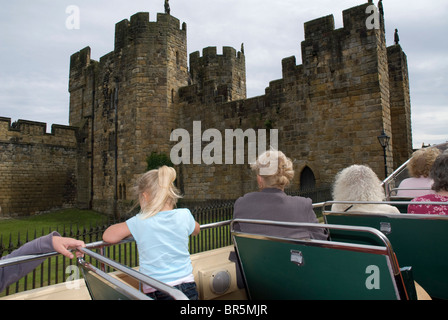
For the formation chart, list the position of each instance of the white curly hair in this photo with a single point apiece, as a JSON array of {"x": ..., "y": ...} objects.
[{"x": 356, "y": 183}]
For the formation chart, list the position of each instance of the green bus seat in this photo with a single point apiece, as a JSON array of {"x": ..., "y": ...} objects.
[
  {"x": 277, "y": 268},
  {"x": 420, "y": 241},
  {"x": 400, "y": 203},
  {"x": 102, "y": 286}
]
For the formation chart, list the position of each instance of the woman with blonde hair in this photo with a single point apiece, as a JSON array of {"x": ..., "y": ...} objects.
[
  {"x": 360, "y": 183},
  {"x": 439, "y": 174},
  {"x": 161, "y": 232},
  {"x": 419, "y": 167},
  {"x": 274, "y": 173}
]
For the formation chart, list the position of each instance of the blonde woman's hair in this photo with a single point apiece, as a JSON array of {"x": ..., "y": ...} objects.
[
  {"x": 283, "y": 171},
  {"x": 159, "y": 185},
  {"x": 421, "y": 162},
  {"x": 357, "y": 183}
]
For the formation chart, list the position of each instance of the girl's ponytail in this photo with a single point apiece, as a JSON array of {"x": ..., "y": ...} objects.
[{"x": 159, "y": 186}]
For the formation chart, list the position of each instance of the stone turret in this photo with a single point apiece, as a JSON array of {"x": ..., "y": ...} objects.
[
  {"x": 126, "y": 102},
  {"x": 219, "y": 75}
]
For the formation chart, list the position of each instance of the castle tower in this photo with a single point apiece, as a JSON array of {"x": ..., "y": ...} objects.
[
  {"x": 219, "y": 75},
  {"x": 125, "y": 104},
  {"x": 400, "y": 104}
]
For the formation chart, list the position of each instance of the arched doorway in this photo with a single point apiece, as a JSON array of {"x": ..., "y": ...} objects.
[{"x": 307, "y": 179}]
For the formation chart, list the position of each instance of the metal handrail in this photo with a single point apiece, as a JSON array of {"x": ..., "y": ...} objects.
[
  {"x": 327, "y": 203},
  {"x": 158, "y": 285},
  {"x": 93, "y": 245},
  {"x": 28, "y": 258},
  {"x": 396, "y": 172},
  {"x": 215, "y": 224},
  {"x": 386, "y": 181},
  {"x": 120, "y": 286}
]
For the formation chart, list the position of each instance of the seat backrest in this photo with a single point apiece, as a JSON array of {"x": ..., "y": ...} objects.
[
  {"x": 278, "y": 268},
  {"x": 401, "y": 203},
  {"x": 420, "y": 241},
  {"x": 102, "y": 286}
]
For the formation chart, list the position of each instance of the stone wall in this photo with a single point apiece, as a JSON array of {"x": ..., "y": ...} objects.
[
  {"x": 328, "y": 110},
  {"x": 38, "y": 169},
  {"x": 127, "y": 103},
  {"x": 400, "y": 104}
]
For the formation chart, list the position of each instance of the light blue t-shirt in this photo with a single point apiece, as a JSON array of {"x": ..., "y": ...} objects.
[{"x": 162, "y": 242}]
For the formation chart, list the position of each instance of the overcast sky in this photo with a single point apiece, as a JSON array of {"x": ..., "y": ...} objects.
[{"x": 36, "y": 45}]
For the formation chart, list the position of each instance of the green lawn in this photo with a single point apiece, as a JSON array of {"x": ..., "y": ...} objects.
[{"x": 45, "y": 223}]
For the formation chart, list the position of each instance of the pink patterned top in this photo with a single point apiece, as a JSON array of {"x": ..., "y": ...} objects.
[{"x": 428, "y": 208}]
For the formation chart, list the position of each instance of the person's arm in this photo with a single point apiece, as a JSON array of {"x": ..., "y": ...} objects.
[
  {"x": 116, "y": 233},
  {"x": 197, "y": 229},
  {"x": 46, "y": 244}
]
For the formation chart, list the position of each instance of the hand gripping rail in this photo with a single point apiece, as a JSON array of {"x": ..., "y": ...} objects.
[{"x": 17, "y": 260}]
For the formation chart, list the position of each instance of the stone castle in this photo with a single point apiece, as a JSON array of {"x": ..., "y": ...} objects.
[{"x": 328, "y": 110}]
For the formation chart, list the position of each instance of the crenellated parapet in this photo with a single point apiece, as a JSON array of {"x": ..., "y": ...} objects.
[
  {"x": 140, "y": 28},
  {"x": 38, "y": 169},
  {"x": 32, "y": 132},
  {"x": 218, "y": 75}
]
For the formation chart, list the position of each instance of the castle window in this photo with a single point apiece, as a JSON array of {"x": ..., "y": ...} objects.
[
  {"x": 177, "y": 58},
  {"x": 122, "y": 191},
  {"x": 172, "y": 95}
]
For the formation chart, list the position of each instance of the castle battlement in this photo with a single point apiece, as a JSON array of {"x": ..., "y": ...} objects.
[
  {"x": 218, "y": 75},
  {"x": 139, "y": 28},
  {"x": 211, "y": 53},
  {"x": 354, "y": 21},
  {"x": 321, "y": 37},
  {"x": 33, "y": 132},
  {"x": 319, "y": 27},
  {"x": 39, "y": 164}
]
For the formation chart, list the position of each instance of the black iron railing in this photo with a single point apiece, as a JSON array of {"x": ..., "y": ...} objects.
[{"x": 56, "y": 269}]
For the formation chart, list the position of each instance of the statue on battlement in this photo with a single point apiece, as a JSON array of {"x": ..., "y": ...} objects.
[
  {"x": 167, "y": 7},
  {"x": 380, "y": 7},
  {"x": 396, "y": 37}
]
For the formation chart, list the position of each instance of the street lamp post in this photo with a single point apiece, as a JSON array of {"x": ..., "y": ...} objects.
[{"x": 384, "y": 141}]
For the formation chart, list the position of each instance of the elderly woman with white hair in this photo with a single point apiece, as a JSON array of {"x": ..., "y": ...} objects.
[
  {"x": 274, "y": 172},
  {"x": 359, "y": 183}
]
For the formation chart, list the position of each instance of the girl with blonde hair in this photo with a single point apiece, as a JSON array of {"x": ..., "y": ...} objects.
[{"x": 161, "y": 232}]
